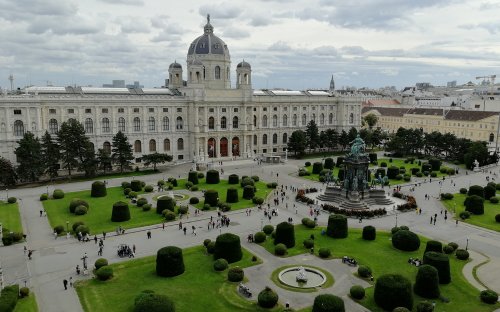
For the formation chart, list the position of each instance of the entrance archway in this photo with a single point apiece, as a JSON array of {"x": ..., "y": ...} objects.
[
  {"x": 235, "y": 144},
  {"x": 212, "y": 152},
  {"x": 223, "y": 147}
]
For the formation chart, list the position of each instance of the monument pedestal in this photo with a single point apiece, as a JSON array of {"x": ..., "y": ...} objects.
[{"x": 354, "y": 196}]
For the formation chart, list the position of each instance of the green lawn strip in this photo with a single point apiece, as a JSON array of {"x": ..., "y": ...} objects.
[
  {"x": 487, "y": 220},
  {"x": 199, "y": 288},
  {"x": 106, "y": 176},
  {"x": 10, "y": 217},
  {"x": 382, "y": 258},
  {"x": 27, "y": 304},
  {"x": 315, "y": 177},
  {"x": 474, "y": 272},
  {"x": 98, "y": 218},
  {"x": 399, "y": 162},
  {"x": 275, "y": 278}
]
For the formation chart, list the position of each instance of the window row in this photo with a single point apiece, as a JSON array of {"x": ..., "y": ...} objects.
[
  {"x": 223, "y": 123},
  {"x": 153, "y": 148},
  {"x": 284, "y": 120},
  {"x": 275, "y": 139}
]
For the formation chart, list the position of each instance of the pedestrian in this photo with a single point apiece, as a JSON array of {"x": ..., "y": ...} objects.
[
  {"x": 65, "y": 283},
  {"x": 77, "y": 269},
  {"x": 67, "y": 235},
  {"x": 133, "y": 248},
  {"x": 193, "y": 228},
  {"x": 180, "y": 225},
  {"x": 456, "y": 222},
  {"x": 184, "y": 229},
  {"x": 148, "y": 234},
  {"x": 95, "y": 239},
  {"x": 41, "y": 212},
  {"x": 25, "y": 249},
  {"x": 194, "y": 232},
  {"x": 55, "y": 235},
  {"x": 71, "y": 281},
  {"x": 104, "y": 235},
  {"x": 163, "y": 226},
  {"x": 434, "y": 220},
  {"x": 431, "y": 220},
  {"x": 30, "y": 252},
  {"x": 445, "y": 218}
]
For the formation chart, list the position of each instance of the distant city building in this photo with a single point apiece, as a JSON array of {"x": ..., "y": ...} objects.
[
  {"x": 121, "y": 84},
  {"x": 451, "y": 84},
  {"x": 423, "y": 85}
]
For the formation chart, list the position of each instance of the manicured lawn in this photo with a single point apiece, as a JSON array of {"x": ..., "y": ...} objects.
[
  {"x": 382, "y": 258},
  {"x": 98, "y": 218},
  {"x": 27, "y": 304},
  {"x": 10, "y": 218},
  {"x": 487, "y": 220},
  {"x": 198, "y": 289},
  {"x": 315, "y": 177},
  {"x": 108, "y": 176}
]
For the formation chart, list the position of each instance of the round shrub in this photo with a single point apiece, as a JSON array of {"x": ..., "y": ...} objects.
[
  {"x": 497, "y": 217},
  {"x": 148, "y": 188},
  {"x": 369, "y": 232},
  {"x": 169, "y": 261},
  {"x": 165, "y": 202},
  {"x": 188, "y": 185},
  {"x": 235, "y": 274},
  {"x": 211, "y": 197},
  {"x": 11, "y": 200},
  {"x": 337, "y": 226},
  {"x": 448, "y": 249},
  {"x": 272, "y": 185},
  {"x": 248, "y": 192},
  {"x": 255, "y": 178},
  {"x": 392, "y": 172},
  {"x": 127, "y": 191},
  {"x": 136, "y": 185},
  {"x": 211, "y": 247},
  {"x": 398, "y": 177},
  {"x": 285, "y": 234},
  {"x": 193, "y": 177},
  {"x": 76, "y": 225},
  {"x": 168, "y": 215},
  {"x": 433, "y": 245},
  {"x": 58, "y": 194},
  {"x": 104, "y": 273},
  {"x": 120, "y": 212},
  {"x": 24, "y": 292},
  {"x": 233, "y": 179},
  {"x": 405, "y": 240},
  {"x": 98, "y": 189},
  {"x": 44, "y": 196},
  {"x": 213, "y": 177},
  {"x": 309, "y": 223},
  {"x": 75, "y": 202},
  {"x": 125, "y": 185},
  {"x": 476, "y": 190},
  {"x": 395, "y": 229},
  {"x": 194, "y": 200},
  {"x": 247, "y": 181},
  {"x": 267, "y": 298},
  {"x": 258, "y": 200},
  {"x": 81, "y": 210},
  {"x": 147, "y": 207},
  {"x": 392, "y": 291},
  {"x": 141, "y": 202},
  {"x": 308, "y": 243},
  {"x": 433, "y": 174},
  {"x": 59, "y": 229},
  {"x": 232, "y": 195},
  {"x": 228, "y": 246},
  {"x": 100, "y": 263},
  {"x": 442, "y": 264},
  {"x": 364, "y": 271},
  {"x": 317, "y": 167},
  {"x": 148, "y": 301},
  {"x": 427, "y": 282},
  {"x": 220, "y": 264},
  {"x": 474, "y": 204},
  {"x": 83, "y": 229},
  {"x": 453, "y": 245},
  {"x": 206, "y": 207},
  {"x": 194, "y": 188},
  {"x": 425, "y": 306},
  {"x": 357, "y": 292},
  {"x": 494, "y": 200},
  {"x": 464, "y": 215},
  {"x": 324, "y": 253},
  {"x": 268, "y": 229},
  {"x": 489, "y": 191},
  {"x": 463, "y": 190},
  {"x": 280, "y": 250},
  {"x": 328, "y": 303},
  {"x": 182, "y": 210},
  {"x": 489, "y": 296},
  {"x": 462, "y": 254},
  {"x": 132, "y": 194},
  {"x": 259, "y": 237},
  {"x": 200, "y": 175},
  {"x": 307, "y": 163}
]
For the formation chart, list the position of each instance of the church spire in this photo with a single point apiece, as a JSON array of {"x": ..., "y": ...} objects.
[{"x": 332, "y": 85}]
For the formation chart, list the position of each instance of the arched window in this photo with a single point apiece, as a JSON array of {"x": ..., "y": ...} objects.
[
  {"x": 322, "y": 119},
  {"x": 264, "y": 121},
  {"x": 166, "y": 145},
  {"x": 217, "y": 72},
  {"x": 294, "y": 120},
  {"x": 179, "y": 124},
  {"x": 254, "y": 121},
  {"x": 105, "y": 125},
  {"x": 137, "y": 146},
  {"x": 180, "y": 144},
  {"x": 275, "y": 121},
  {"x": 166, "y": 124},
  {"x": 330, "y": 119},
  {"x": 351, "y": 118},
  {"x": 121, "y": 124},
  {"x": 264, "y": 139},
  {"x": 235, "y": 122},
  {"x": 151, "y": 124},
  {"x": 89, "y": 125},
  {"x": 106, "y": 146},
  {"x": 18, "y": 128},
  {"x": 91, "y": 146},
  {"x": 285, "y": 121},
  {"x": 152, "y": 145},
  {"x": 285, "y": 138},
  {"x": 223, "y": 123},
  {"x": 275, "y": 138},
  {"x": 53, "y": 126},
  {"x": 304, "y": 119},
  {"x": 137, "y": 124},
  {"x": 211, "y": 123},
  {"x": 255, "y": 140}
]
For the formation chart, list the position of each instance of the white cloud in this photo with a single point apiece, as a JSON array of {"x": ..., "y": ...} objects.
[{"x": 125, "y": 2}]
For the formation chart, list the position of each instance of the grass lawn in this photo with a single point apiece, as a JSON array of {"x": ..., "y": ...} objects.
[
  {"x": 98, "y": 219},
  {"x": 10, "y": 218},
  {"x": 487, "y": 220},
  {"x": 27, "y": 304},
  {"x": 198, "y": 289},
  {"x": 382, "y": 258}
]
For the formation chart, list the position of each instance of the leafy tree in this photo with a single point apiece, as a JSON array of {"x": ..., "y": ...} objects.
[
  {"x": 479, "y": 151},
  {"x": 377, "y": 137},
  {"x": 73, "y": 144},
  {"x": 155, "y": 159},
  {"x": 371, "y": 120},
  {"x": 104, "y": 160},
  {"x": 322, "y": 139},
  {"x": 297, "y": 142},
  {"x": 122, "y": 151},
  {"x": 8, "y": 175},
  {"x": 88, "y": 162},
  {"x": 331, "y": 138},
  {"x": 28, "y": 156},
  {"x": 353, "y": 133},
  {"x": 51, "y": 155},
  {"x": 312, "y": 135},
  {"x": 344, "y": 139},
  {"x": 366, "y": 135}
]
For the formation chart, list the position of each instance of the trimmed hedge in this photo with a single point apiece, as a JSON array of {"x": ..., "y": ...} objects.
[
  {"x": 228, "y": 246},
  {"x": 476, "y": 190},
  {"x": 75, "y": 202},
  {"x": 248, "y": 192},
  {"x": 425, "y": 306},
  {"x": 194, "y": 200},
  {"x": 247, "y": 181},
  {"x": 148, "y": 188},
  {"x": 232, "y": 195},
  {"x": 268, "y": 229},
  {"x": 280, "y": 250},
  {"x": 489, "y": 191},
  {"x": 462, "y": 254},
  {"x": 317, "y": 167},
  {"x": 337, "y": 226},
  {"x": 308, "y": 243},
  {"x": 447, "y": 249},
  {"x": 169, "y": 261},
  {"x": 392, "y": 291},
  {"x": 488, "y": 296},
  {"x": 44, "y": 196},
  {"x": 165, "y": 202},
  {"x": 212, "y": 177},
  {"x": 76, "y": 225},
  {"x": 267, "y": 298},
  {"x": 442, "y": 264},
  {"x": 81, "y": 210},
  {"x": 309, "y": 223},
  {"x": 364, "y": 271},
  {"x": 136, "y": 185},
  {"x": 83, "y": 229},
  {"x": 235, "y": 274},
  {"x": 285, "y": 234},
  {"x": 427, "y": 282},
  {"x": 8, "y": 298},
  {"x": 98, "y": 189},
  {"x": 405, "y": 240},
  {"x": 433, "y": 245},
  {"x": 168, "y": 215},
  {"x": 147, "y": 207},
  {"x": 357, "y": 292},
  {"x": 120, "y": 212},
  {"x": 104, "y": 273},
  {"x": 259, "y": 237},
  {"x": 193, "y": 177},
  {"x": 220, "y": 265},
  {"x": 369, "y": 232},
  {"x": 328, "y": 303},
  {"x": 141, "y": 202},
  {"x": 233, "y": 179},
  {"x": 211, "y": 197},
  {"x": 329, "y": 164},
  {"x": 99, "y": 263},
  {"x": 324, "y": 253},
  {"x": 24, "y": 292},
  {"x": 11, "y": 200},
  {"x": 474, "y": 204},
  {"x": 58, "y": 194},
  {"x": 148, "y": 301}
]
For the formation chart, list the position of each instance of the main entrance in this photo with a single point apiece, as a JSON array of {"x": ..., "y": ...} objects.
[
  {"x": 211, "y": 148},
  {"x": 236, "y": 146},
  {"x": 223, "y": 147}
]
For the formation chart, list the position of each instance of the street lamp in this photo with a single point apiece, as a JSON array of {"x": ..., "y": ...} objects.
[
  {"x": 47, "y": 190},
  {"x": 7, "y": 190},
  {"x": 396, "y": 219},
  {"x": 84, "y": 260},
  {"x": 467, "y": 244},
  {"x": 67, "y": 226}
]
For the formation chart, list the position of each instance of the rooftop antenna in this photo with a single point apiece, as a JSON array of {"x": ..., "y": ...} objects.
[{"x": 11, "y": 79}]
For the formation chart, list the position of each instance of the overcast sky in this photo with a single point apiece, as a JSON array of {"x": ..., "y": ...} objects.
[{"x": 294, "y": 44}]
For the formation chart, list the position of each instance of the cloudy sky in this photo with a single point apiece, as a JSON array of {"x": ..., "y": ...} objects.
[{"x": 294, "y": 44}]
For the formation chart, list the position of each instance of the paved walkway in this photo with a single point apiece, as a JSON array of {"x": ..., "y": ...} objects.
[{"x": 55, "y": 260}]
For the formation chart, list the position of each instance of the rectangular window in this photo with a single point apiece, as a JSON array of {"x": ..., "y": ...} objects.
[
  {"x": 165, "y": 109},
  {"x": 104, "y": 110},
  {"x": 138, "y": 160},
  {"x": 136, "y": 109},
  {"x": 180, "y": 157},
  {"x": 265, "y": 109},
  {"x": 211, "y": 110},
  {"x": 88, "y": 111},
  {"x": 264, "y": 150},
  {"x": 121, "y": 110},
  {"x": 304, "y": 108},
  {"x": 295, "y": 109},
  {"x": 235, "y": 110},
  {"x": 285, "y": 108},
  {"x": 275, "y": 150},
  {"x": 151, "y": 109},
  {"x": 179, "y": 109},
  {"x": 51, "y": 111},
  {"x": 71, "y": 111},
  {"x": 314, "y": 107},
  {"x": 18, "y": 111},
  {"x": 275, "y": 109},
  {"x": 223, "y": 110}
]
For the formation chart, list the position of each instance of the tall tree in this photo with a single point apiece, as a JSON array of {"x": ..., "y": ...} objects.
[
  {"x": 344, "y": 139},
  {"x": 476, "y": 151},
  {"x": 51, "y": 155},
  {"x": 297, "y": 142},
  {"x": 155, "y": 159},
  {"x": 371, "y": 120},
  {"x": 104, "y": 160},
  {"x": 73, "y": 144},
  {"x": 87, "y": 160},
  {"x": 122, "y": 151},
  {"x": 8, "y": 175},
  {"x": 352, "y": 134},
  {"x": 28, "y": 156},
  {"x": 332, "y": 138},
  {"x": 312, "y": 135}
]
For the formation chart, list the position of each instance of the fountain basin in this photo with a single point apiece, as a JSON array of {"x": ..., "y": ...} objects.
[{"x": 315, "y": 278}]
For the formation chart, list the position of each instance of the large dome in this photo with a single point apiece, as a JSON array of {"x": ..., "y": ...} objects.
[{"x": 208, "y": 43}]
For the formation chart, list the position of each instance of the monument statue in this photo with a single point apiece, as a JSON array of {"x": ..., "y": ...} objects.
[
  {"x": 301, "y": 275},
  {"x": 357, "y": 146},
  {"x": 476, "y": 165}
]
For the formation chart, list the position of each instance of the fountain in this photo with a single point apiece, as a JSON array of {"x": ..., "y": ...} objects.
[{"x": 302, "y": 277}]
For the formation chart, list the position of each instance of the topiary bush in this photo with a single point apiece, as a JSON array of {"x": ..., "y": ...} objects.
[
  {"x": 259, "y": 237},
  {"x": 213, "y": 177},
  {"x": 75, "y": 202},
  {"x": 317, "y": 167},
  {"x": 99, "y": 263},
  {"x": 193, "y": 177},
  {"x": 211, "y": 197},
  {"x": 255, "y": 178},
  {"x": 453, "y": 245},
  {"x": 148, "y": 188},
  {"x": 232, "y": 195},
  {"x": 168, "y": 215},
  {"x": 169, "y": 261},
  {"x": 132, "y": 194},
  {"x": 357, "y": 292},
  {"x": 211, "y": 247},
  {"x": 405, "y": 240},
  {"x": 392, "y": 291},
  {"x": 59, "y": 229},
  {"x": 11, "y": 200},
  {"x": 329, "y": 163},
  {"x": 233, "y": 179},
  {"x": 188, "y": 185},
  {"x": 83, "y": 229},
  {"x": 337, "y": 226},
  {"x": 235, "y": 274},
  {"x": 194, "y": 200},
  {"x": 464, "y": 215},
  {"x": 425, "y": 306},
  {"x": 44, "y": 196},
  {"x": 474, "y": 204},
  {"x": 104, "y": 273},
  {"x": 268, "y": 229},
  {"x": 462, "y": 254},
  {"x": 267, "y": 298},
  {"x": 488, "y": 296},
  {"x": 136, "y": 185},
  {"x": 489, "y": 191},
  {"x": 148, "y": 301},
  {"x": 8, "y": 298},
  {"x": 126, "y": 185},
  {"x": 141, "y": 202},
  {"x": 442, "y": 264},
  {"x": 280, "y": 250},
  {"x": 121, "y": 212},
  {"x": 433, "y": 245},
  {"x": 308, "y": 243},
  {"x": 494, "y": 200},
  {"x": 127, "y": 191},
  {"x": 24, "y": 292},
  {"x": 76, "y": 225},
  {"x": 220, "y": 265},
  {"x": 328, "y": 303},
  {"x": 448, "y": 249},
  {"x": 165, "y": 202},
  {"x": 324, "y": 252},
  {"x": 476, "y": 190},
  {"x": 309, "y": 223},
  {"x": 392, "y": 172},
  {"x": 98, "y": 189},
  {"x": 272, "y": 185},
  {"x": 247, "y": 181},
  {"x": 285, "y": 234},
  {"x": 81, "y": 210},
  {"x": 228, "y": 246},
  {"x": 427, "y": 282},
  {"x": 307, "y": 164},
  {"x": 258, "y": 200},
  {"x": 364, "y": 271},
  {"x": 248, "y": 192},
  {"x": 369, "y": 232},
  {"x": 147, "y": 207},
  {"x": 58, "y": 194}
]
